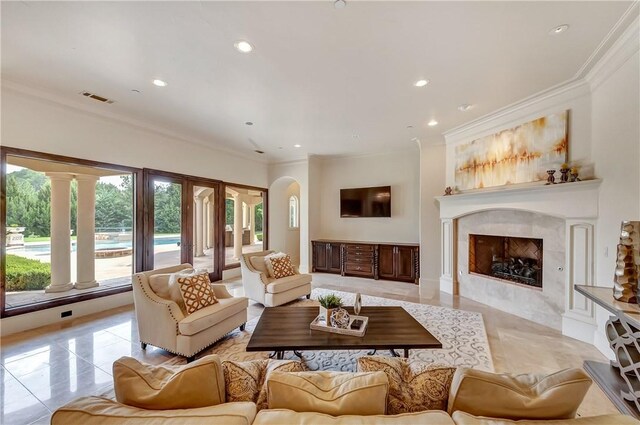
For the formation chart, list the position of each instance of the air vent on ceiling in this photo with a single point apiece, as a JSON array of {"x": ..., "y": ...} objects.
[
  {"x": 96, "y": 97},
  {"x": 259, "y": 151}
]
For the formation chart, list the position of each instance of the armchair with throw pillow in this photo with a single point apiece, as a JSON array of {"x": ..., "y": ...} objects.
[
  {"x": 270, "y": 279},
  {"x": 179, "y": 310}
]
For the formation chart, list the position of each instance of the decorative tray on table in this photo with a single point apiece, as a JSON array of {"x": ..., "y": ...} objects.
[{"x": 319, "y": 324}]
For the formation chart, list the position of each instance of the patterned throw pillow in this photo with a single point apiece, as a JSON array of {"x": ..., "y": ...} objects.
[
  {"x": 267, "y": 261},
  {"x": 282, "y": 267},
  {"x": 413, "y": 386},
  {"x": 196, "y": 292},
  {"x": 245, "y": 381}
]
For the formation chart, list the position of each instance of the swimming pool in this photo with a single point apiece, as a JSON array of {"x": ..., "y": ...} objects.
[{"x": 45, "y": 248}]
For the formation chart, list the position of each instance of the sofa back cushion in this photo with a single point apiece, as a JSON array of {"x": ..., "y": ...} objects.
[
  {"x": 332, "y": 393},
  {"x": 461, "y": 418},
  {"x": 554, "y": 396},
  {"x": 198, "y": 384},
  {"x": 165, "y": 287},
  {"x": 285, "y": 416},
  {"x": 413, "y": 386},
  {"x": 102, "y": 411}
]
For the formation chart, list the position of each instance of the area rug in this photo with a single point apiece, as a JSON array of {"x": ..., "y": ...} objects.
[{"x": 462, "y": 334}]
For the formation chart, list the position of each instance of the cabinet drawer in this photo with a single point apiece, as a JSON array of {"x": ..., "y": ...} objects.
[
  {"x": 359, "y": 268},
  {"x": 355, "y": 259},
  {"x": 359, "y": 248},
  {"x": 365, "y": 255}
]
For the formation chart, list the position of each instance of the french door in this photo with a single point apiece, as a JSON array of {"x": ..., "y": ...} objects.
[{"x": 182, "y": 222}]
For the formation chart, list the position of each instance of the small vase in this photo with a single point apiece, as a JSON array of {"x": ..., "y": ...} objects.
[
  {"x": 326, "y": 315},
  {"x": 357, "y": 305},
  {"x": 564, "y": 175},
  {"x": 551, "y": 178}
]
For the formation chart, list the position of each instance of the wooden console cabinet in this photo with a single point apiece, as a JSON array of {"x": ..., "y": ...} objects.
[{"x": 367, "y": 259}]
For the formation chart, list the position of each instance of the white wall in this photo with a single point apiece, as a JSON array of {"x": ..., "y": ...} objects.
[
  {"x": 400, "y": 170},
  {"x": 616, "y": 147},
  {"x": 432, "y": 184},
  {"x": 39, "y": 124}
]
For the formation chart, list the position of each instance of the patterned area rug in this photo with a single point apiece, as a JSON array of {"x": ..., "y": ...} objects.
[{"x": 462, "y": 333}]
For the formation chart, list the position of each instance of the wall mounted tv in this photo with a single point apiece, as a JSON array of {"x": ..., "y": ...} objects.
[{"x": 366, "y": 202}]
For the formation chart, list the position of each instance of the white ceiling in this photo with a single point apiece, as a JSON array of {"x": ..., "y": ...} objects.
[{"x": 335, "y": 81}]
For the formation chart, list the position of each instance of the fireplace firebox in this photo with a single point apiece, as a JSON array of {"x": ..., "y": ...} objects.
[{"x": 508, "y": 258}]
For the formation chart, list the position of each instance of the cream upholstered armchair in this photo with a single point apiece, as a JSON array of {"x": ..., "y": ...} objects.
[
  {"x": 163, "y": 324},
  {"x": 270, "y": 292}
]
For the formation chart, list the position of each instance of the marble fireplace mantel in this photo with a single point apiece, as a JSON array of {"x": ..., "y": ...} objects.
[{"x": 575, "y": 203}]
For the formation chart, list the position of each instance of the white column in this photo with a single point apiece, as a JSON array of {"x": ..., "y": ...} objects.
[
  {"x": 211, "y": 221},
  {"x": 447, "y": 244},
  {"x": 252, "y": 224},
  {"x": 237, "y": 226},
  {"x": 198, "y": 226},
  {"x": 60, "y": 232},
  {"x": 86, "y": 238}
]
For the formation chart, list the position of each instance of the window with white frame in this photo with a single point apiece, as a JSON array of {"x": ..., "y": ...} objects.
[{"x": 294, "y": 216}]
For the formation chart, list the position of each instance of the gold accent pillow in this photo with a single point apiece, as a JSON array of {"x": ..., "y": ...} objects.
[
  {"x": 196, "y": 292},
  {"x": 245, "y": 381},
  {"x": 554, "y": 396},
  {"x": 413, "y": 386},
  {"x": 198, "y": 384},
  {"x": 332, "y": 393},
  {"x": 282, "y": 267}
]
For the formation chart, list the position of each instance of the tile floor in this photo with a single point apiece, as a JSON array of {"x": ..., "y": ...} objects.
[{"x": 45, "y": 368}]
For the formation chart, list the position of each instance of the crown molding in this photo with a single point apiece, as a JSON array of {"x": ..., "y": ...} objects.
[
  {"x": 613, "y": 37},
  {"x": 59, "y": 101},
  {"x": 624, "y": 48},
  {"x": 572, "y": 88}
]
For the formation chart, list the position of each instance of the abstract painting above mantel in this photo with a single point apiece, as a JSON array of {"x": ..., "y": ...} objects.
[{"x": 521, "y": 154}]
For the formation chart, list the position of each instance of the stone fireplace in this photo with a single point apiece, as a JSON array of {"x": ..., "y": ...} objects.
[
  {"x": 521, "y": 249},
  {"x": 511, "y": 259}
]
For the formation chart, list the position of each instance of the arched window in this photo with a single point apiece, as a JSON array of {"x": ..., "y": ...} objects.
[{"x": 294, "y": 215}]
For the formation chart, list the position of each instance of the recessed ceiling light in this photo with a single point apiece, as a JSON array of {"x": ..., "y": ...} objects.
[
  {"x": 297, "y": 146},
  {"x": 159, "y": 83},
  {"x": 559, "y": 29},
  {"x": 243, "y": 46},
  {"x": 421, "y": 83},
  {"x": 339, "y": 4},
  {"x": 464, "y": 107},
  {"x": 248, "y": 123},
  {"x": 432, "y": 123}
]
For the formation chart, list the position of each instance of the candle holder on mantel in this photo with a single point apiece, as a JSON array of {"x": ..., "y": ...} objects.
[
  {"x": 625, "y": 279},
  {"x": 551, "y": 179}
]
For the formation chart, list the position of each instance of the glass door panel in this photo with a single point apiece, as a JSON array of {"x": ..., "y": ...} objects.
[
  {"x": 168, "y": 238},
  {"x": 204, "y": 225}
]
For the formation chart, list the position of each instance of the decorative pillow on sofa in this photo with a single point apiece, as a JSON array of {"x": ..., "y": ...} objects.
[
  {"x": 554, "y": 396},
  {"x": 198, "y": 384},
  {"x": 196, "y": 292},
  {"x": 332, "y": 393},
  {"x": 258, "y": 263},
  {"x": 245, "y": 381},
  {"x": 413, "y": 386},
  {"x": 165, "y": 286},
  {"x": 267, "y": 261},
  {"x": 282, "y": 267}
]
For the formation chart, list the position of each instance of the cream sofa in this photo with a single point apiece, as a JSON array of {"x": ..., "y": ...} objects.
[
  {"x": 266, "y": 290},
  {"x": 162, "y": 323},
  {"x": 546, "y": 400}
]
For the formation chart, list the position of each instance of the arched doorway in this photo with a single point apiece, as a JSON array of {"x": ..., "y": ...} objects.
[{"x": 284, "y": 217}]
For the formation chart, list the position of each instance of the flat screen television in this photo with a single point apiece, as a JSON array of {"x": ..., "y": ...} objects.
[{"x": 366, "y": 202}]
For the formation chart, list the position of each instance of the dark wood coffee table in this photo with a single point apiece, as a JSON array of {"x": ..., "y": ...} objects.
[{"x": 283, "y": 329}]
